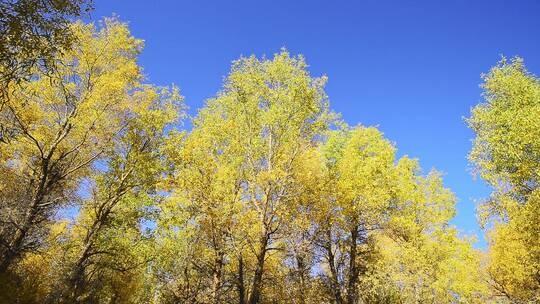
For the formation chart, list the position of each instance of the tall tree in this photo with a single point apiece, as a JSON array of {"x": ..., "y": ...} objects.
[
  {"x": 107, "y": 239},
  {"x": 243, "y": 151},
  {"x": 506, "y": 154},
  {"x": 420, "y": 257},
  {"x": 66, "y": 119},
  {"x": 384, "y": 233},
  {"x": 361, "y": 170}
]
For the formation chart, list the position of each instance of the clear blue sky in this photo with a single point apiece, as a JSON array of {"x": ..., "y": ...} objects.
[{"x": 410, "y": 67}]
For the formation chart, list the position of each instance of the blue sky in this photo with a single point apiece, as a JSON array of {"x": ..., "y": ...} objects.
[{"x": 410, "y": 67}]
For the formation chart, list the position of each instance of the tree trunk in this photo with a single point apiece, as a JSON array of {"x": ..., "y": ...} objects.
[
  {"x": 302, "y": 275},
  {"x": 259, "y": 270},
  {"x": 15, "y": 246},
  {"x": 333, "y": 271},
  {"x": 352, "y": 294},
  {"x": 241, "y": 286},
  {"x": 216, "y": 278},
  {"x": 76, "y": 280}
]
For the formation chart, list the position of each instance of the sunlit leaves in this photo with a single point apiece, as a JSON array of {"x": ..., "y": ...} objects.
[{"x": 506, "y": 153}]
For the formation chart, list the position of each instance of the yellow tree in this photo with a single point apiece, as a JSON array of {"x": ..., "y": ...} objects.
[
  {"x": 112, "y": 133},
  {"x": 201, "y": 211},
  {"x": 384, "y": 229},
  {"x": 300, "y": 258},
  {"x": 360, "y": 190},
  {"x": 107, "y": 240},
  {"x": 65, "y": 119},
  {"x": 506, "y": 153},
  {"x": 240, "y": 162},
  {"x": 420, "y": 258}
]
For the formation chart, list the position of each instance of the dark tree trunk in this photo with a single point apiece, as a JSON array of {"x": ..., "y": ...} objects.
[
  {"x": 334, "y": 280},
  {"x": 241, "y": 285},
  {"x": 16, "y": 245},
  {"x": 14, "y": 248},
  {"x": 216, "y": 278},
  {"x": 259, "y": 270},
  {"x": 302, "y": 275},
  {"x": 352, "y": 294}
]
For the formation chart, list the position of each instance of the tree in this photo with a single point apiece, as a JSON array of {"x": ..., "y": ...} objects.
[
  {"x": 360, "y": 167},
  {"x": 107, "y": 239},
  {"x": 420, "y": 257},
  {"x": 96, "y": 133},
  {"x": 66, "y": 119},
  {"x": 506, "y": 154},
  {"x": 383, "y": 227},
  {"x": 34, "y": 31},
  {"x": 237, "y": 181}
]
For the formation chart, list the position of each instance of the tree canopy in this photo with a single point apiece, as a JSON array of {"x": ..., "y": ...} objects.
[
  {"x": 506, "y": 154},
  {"x": 268, "y": 197}
]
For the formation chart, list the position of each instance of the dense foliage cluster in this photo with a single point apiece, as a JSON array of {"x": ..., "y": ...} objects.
[
  {"x": 269, "y": 198},
  {"x": 506, "y": 154}
]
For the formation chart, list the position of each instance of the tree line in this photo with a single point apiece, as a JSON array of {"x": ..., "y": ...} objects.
[{"x": 270, "y": 197}]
